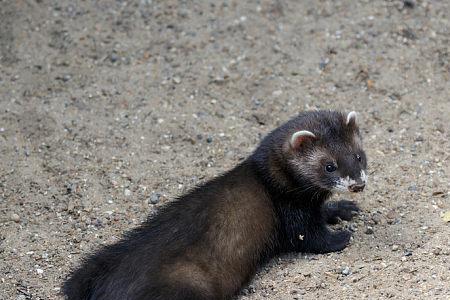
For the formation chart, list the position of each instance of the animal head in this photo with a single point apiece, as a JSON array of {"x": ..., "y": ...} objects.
[{"x": 325, "y": 149}]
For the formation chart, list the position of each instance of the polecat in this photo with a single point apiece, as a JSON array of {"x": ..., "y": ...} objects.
[{"x": 208, "y": 243}]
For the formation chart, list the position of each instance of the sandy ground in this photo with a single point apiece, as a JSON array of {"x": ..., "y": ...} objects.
[{"x": 108, "y": 109}]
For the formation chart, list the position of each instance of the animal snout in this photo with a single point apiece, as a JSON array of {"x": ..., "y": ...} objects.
[{"x": 355, "y": 188}]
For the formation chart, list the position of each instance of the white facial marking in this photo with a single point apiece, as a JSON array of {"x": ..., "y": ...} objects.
[
  {"x": 363, "y": 177},
  {"x": 343, "y": 184},
  {"x": 351, "y": 116}
]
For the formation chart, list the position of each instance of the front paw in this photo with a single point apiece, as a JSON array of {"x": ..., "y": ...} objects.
[
  {"x": 339, "y": 240},
  {"x": 343, "y": 209},
  {"x": 330, "y": 241}
]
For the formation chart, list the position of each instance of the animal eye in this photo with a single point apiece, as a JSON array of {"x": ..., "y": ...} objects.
[
  {"x": 358, "y": 157},
  {"x": 330, "y": 168}
]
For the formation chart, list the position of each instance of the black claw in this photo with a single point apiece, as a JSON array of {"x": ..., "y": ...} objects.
[{"x": 343, "y": 209}]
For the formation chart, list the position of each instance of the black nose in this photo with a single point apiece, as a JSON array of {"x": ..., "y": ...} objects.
[{"x": 355, "y": 188}]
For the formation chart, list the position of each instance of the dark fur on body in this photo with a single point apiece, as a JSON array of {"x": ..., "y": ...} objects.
[{"x": 208, "y": 243}]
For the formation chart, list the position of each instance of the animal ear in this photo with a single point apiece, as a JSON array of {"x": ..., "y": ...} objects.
[
  {"x": 299, "y": 137},
  {"x": 351, "y": 118}
]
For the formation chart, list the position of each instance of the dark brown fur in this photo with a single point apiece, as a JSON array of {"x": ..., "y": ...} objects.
[{"x": 208, "y": 243}]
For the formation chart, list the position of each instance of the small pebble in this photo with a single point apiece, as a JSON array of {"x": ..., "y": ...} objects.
[
  {"x": 177, "y": 80},
  {"x": 70, "y": 205},
  {"x": 97, "y": 223},
  {"x": 437, "y": 251},
  {"x": 395, "y": 247},
  {"x": 412, "y": 188},
  {"x": 376, "y": 218},
  {"x": 39, "y": 271},
  {"x": 154, "y": 198},
  {"x": 419, "y": 139},
  {"x": 391, "y": 214},
  {"x": 277, "y": 93},
  {"x": 369, "y": 230},
  {"x": 353, "y": 227},
  {"x": 127, "y": 193},
  {"x": 113, "y": 57},
  {"x": 409, "y": 4},
  {"x": 15, "y": 218},
  {"x": 251, "y": 289},
  {"x": 261, "y": 119},
  {"x": 209, "y": 139},
  {"x": 323, "y": 63},
  {"x": 229, "y": 154},
  {"x": 346, "y": 271}
]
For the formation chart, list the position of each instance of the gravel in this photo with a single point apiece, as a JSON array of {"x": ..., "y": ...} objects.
[
  {"x": 106, "y": 105},
  {"x": 15, "y": 218}
]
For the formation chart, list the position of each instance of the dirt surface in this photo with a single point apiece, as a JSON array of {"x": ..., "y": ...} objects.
[{"x": 109, "y": 109}]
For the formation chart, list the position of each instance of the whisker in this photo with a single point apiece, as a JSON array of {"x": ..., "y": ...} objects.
[{"x": 304, "y": 190}]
